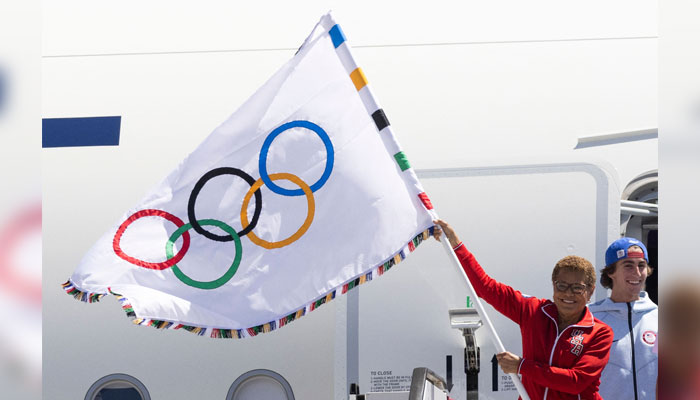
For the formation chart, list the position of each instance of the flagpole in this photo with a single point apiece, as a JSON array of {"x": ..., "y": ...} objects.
[
  {"x": 360, "y": 81},
  {"x": 485, "y": 318}
]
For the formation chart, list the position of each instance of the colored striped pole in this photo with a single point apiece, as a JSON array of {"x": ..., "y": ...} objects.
[
  {"x": 360, "y": 81},
  {"x": 369, "y": 101}
]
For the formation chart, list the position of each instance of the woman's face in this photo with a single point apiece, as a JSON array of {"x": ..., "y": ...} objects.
[{"x": 572, "y": 301}]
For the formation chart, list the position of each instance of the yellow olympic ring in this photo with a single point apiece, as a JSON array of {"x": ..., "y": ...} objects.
[{"x": 304, "y": 227}]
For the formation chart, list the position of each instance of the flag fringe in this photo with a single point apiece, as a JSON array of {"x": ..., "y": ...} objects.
[
  {"x": 220, "y": 333},
  {"x": 86, "y": 297}
]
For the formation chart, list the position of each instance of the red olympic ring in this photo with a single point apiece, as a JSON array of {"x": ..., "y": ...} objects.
[{"x": 156, "y": 213}]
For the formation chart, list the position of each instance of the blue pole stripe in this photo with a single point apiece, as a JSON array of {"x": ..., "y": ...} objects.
[
  {"x": 337, "y": 35},
  {"x": 77, "y": 132}
]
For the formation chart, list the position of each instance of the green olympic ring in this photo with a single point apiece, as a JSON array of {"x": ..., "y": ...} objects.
[{"x": 216, "y": 282}]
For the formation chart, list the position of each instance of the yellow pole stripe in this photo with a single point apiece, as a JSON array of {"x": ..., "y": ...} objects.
[{"x": 358, "y": 78}]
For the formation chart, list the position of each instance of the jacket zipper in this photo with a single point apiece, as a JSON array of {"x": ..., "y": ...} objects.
[
  {"x": 556, "y": 340},
  {"x": 634, "y": 367},
  {"x": 551, "y": 355}
]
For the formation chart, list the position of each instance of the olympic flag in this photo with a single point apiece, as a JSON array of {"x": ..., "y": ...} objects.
[{"x": 299, "y": 196}]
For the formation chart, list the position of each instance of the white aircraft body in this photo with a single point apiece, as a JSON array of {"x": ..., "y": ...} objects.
[{"x": 527, "y": 123}]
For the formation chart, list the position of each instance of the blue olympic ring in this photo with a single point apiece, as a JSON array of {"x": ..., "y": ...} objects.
[{"x": 262, "y": 165}]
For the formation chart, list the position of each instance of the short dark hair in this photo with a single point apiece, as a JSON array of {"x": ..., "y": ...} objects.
[{"x": 576, "y": 264}]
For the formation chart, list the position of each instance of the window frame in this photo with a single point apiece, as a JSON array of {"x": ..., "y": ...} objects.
[
  {"x": 106, "y": 380},
  {"x": 256, "y": 373}
]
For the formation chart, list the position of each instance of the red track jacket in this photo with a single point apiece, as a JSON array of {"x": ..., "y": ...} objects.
[{"x": 554, "y": 366}]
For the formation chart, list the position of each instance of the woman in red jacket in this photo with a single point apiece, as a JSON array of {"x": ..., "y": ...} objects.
[{"x": 564, "y": 347}]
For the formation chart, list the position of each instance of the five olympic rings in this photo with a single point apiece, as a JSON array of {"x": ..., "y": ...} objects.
[{"x": 247, "y": 225}]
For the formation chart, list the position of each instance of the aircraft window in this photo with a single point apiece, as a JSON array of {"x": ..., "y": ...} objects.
[
  {"x": 117, "y": 387},
  {"x": 260, "y": 384}
]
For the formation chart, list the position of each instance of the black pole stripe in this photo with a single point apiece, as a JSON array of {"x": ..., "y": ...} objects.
[{"x": 380, "y": 119}]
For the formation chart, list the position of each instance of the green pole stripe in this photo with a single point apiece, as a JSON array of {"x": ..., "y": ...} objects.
[{"x": 402, "y": 161}]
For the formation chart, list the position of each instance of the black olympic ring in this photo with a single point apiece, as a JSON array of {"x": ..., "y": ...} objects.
[{"x": 198, "y": 187}]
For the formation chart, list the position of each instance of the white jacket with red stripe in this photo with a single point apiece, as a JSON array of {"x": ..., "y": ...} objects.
[{"x": 636, "y": 328}]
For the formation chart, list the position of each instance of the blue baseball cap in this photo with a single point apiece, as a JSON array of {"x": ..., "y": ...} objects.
[{"x": 618, "y": 250}]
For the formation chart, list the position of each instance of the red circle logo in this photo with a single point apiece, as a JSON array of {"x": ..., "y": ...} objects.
[{"x": 649, "y": 337}]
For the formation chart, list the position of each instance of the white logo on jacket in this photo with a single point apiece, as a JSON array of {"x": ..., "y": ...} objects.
[{"x": 576, "y": 341}]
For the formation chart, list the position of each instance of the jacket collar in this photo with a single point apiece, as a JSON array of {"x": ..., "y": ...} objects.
[
  {"x": 550, "y": 309},
  {"x": 644, "y": 304}
]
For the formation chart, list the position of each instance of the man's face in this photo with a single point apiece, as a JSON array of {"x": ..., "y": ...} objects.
[{"x": 629, "y": 276}]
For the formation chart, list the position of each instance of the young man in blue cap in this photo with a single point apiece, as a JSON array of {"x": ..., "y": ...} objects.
[{"x": 633, "y": 366}]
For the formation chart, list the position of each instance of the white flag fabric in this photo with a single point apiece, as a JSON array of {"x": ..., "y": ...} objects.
[{"x": 299, "y": 196}]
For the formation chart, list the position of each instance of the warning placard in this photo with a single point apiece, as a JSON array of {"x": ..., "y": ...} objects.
[
  {"x": 501, "y": 382},
  {"x": 386, "y": 381},
  {"x": 507, "y": 383}
]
